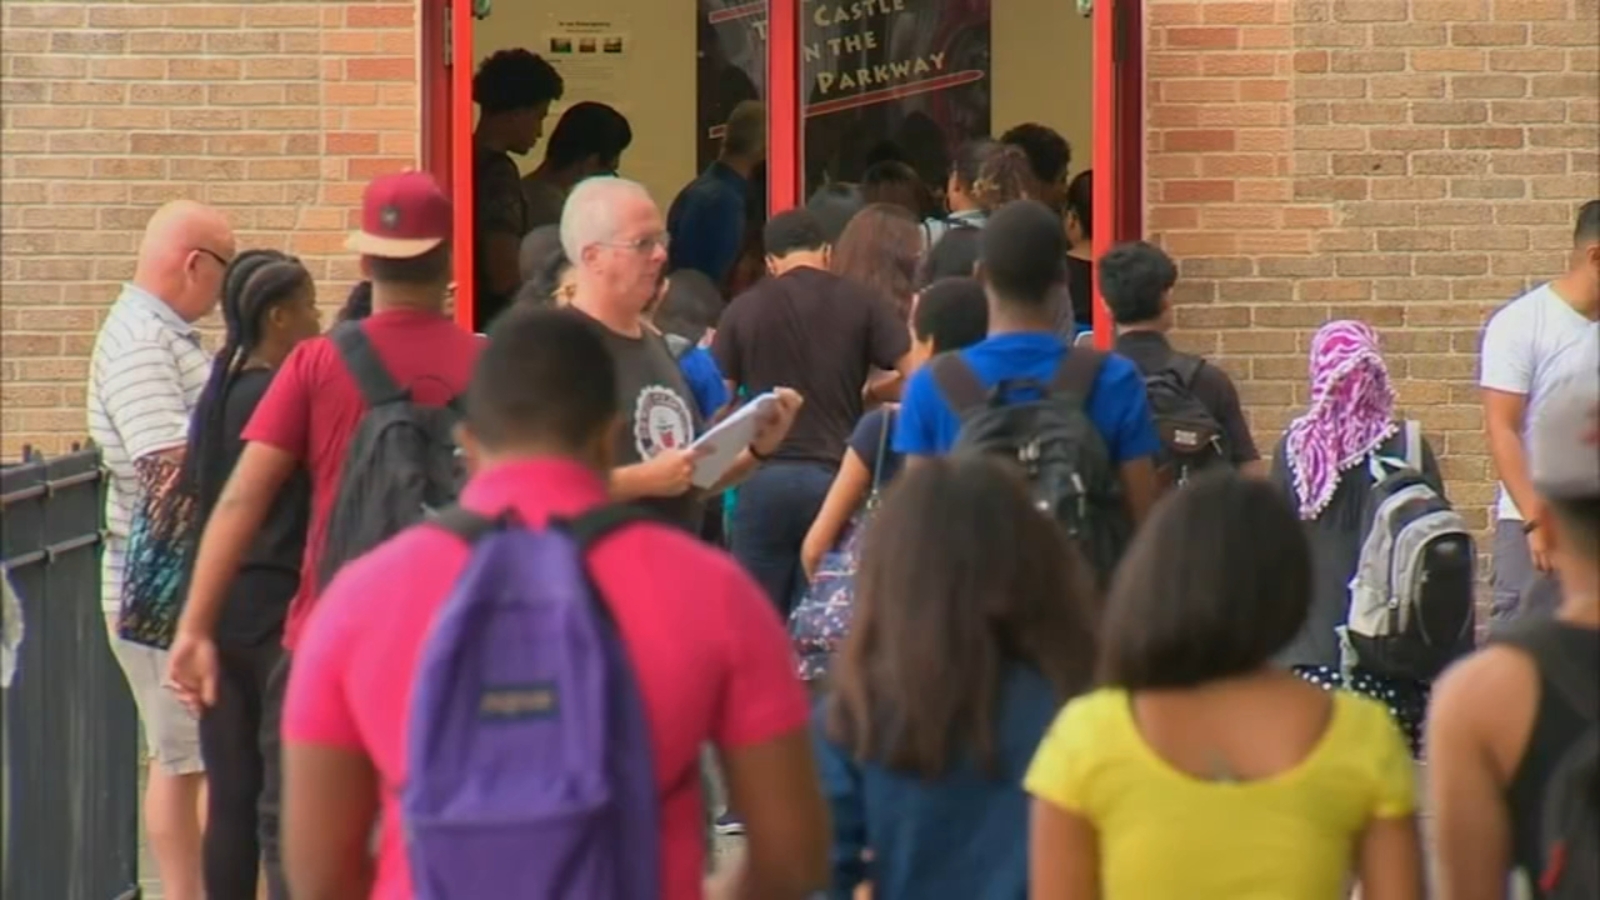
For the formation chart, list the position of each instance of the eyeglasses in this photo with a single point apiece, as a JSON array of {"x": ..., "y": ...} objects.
[
  {"x": 221, "y": 260},
  {"x": 641, "y": 245}
]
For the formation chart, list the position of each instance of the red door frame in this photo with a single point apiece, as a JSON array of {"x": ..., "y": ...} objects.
[
  {"x": 1118, "y": 137},
  {"x": 1118, "y": 125},
  {"x": 786, "y": 142}
]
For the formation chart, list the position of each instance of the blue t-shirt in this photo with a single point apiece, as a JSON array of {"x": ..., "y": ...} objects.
[
  {"x": 1117, "y": 405},
  {"x": 706, "y": 223},
  {"x": 705, "y": 380},
  {"x": 961, "y": 836}
]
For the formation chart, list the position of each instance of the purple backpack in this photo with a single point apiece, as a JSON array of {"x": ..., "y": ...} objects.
[{"x": 529, "y": 764}]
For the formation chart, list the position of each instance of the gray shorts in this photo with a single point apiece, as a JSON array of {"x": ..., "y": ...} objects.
[
  {"x": 172, "y": 735},
  {"x": 1520, "y": 590}
]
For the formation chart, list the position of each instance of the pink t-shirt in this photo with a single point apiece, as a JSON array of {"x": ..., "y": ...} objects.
[{"x": 709, "y": 650}]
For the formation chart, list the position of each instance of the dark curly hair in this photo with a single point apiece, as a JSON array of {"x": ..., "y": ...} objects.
[{"x": 512, "y": 80}]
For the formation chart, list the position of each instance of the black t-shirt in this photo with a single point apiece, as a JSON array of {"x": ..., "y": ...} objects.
[
  {"x": 820, "y": 334},
  {"x": 1150, "y": 351},
  {"x": 498, "y": 208},
  {"x": 659, "y": 413},
  {"x": 1080, "y": 283},
  {"x": 258, "y": 599}
]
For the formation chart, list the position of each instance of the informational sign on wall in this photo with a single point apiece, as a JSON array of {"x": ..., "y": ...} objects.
[
  {"x": 592, "y": 56},
  {"x": 909, "y": 77}
]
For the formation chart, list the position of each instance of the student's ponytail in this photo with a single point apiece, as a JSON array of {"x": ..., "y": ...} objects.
[{"x": 255, "y": 281}]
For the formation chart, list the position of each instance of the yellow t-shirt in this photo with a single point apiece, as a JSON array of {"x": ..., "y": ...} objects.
[{"x": 1165, "y": 834}]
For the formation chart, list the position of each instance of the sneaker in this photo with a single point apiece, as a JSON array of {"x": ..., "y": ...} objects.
[{"x": 728, "y": 825}]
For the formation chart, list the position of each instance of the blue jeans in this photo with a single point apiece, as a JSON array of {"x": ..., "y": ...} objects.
[{"x": 776, "y": 507}]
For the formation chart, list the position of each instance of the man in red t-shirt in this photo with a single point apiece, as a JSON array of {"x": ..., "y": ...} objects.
[
  {"x": 709, "y": 652},
  {"x": 309, "y": 416}
]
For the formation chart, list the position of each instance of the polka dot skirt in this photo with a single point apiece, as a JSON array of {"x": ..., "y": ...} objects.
[{"x": 1407, "y": 700}]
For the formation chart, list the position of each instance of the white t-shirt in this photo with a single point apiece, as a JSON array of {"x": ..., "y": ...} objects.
[
  {"x": 1532, "y": 344},
  {"x": 145, "y": 377}
]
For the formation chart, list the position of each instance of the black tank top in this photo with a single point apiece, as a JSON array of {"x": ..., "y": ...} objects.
[{"x": 1556, "y": 725}]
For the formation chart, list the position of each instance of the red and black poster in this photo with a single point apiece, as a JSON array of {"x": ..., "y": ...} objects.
[{"x": 906, "y": 78}]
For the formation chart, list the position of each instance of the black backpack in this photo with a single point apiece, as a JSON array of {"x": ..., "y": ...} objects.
[
  {"x": 1061, "y": 451},
  {"x": 402, "y": 463},
  {"x": 1569, "y": 827},
  {"x": 1192, "y": 440}
]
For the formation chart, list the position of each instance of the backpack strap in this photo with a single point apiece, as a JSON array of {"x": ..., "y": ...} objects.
[
  {"x": 1078, "y": 371},
  {"x": 594, "y": 526},
  {"x": 958, "y": 383},
  {"x": 1559, "y": 670},
  {"x": 1412, "y": 435},
  {"x": 466, "y": 524},
  {"x": 1187, "y": 368},
  {"x": 376, "y": 384}
]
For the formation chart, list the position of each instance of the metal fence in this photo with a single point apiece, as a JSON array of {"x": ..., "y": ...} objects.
[{"x": 69, "y": 823}]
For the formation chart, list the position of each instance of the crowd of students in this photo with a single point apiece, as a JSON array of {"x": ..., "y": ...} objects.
[{"x": 1085, "y": 642}]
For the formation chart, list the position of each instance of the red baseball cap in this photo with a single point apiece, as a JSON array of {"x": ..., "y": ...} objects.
[{"x": 402, "y": 216}]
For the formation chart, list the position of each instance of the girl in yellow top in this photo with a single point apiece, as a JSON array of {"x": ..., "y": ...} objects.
[{"x": 1199, "y": 771}]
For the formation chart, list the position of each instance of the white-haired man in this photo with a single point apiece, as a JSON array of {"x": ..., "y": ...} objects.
[{"x": 613, "y": 234}]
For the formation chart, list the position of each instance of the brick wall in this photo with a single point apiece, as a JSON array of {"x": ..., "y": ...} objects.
[
  {"x": 1409, "y": 163},
  {"x": 277, "y": 112}
]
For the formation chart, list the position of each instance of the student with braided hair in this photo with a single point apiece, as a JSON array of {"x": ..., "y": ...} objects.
[{"x": 268, "y": 306}]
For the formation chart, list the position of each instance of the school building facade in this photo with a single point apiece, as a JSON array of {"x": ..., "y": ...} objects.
[{"x": 1412, "y": 163}]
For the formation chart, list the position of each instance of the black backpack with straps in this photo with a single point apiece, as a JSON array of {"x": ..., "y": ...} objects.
[
  {"x": 1192, "y": 440},
  {"x": 1569, "y": 826},
  {"x": 402, "y": 463},
  {"x": 1057, "y": 446}
]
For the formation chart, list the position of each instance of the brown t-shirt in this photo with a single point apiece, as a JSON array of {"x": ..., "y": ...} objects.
[
  {"x": 820, "y": 334},
  {"x": 658, "y": 413}
]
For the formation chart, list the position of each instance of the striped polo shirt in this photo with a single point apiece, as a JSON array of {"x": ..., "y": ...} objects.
[{"x": 145, "y": 378}]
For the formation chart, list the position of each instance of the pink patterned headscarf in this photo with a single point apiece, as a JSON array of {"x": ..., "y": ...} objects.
[{"x": 1351, "y": 412}]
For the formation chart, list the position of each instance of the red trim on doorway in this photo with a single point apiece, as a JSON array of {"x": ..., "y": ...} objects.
[
  {"x": 435, "y": 128},
  {"x": 1106, "y": 174},
  {"x": 1128, "y": 61},
  {"x": 785, "y": 128},
  {"x": 1118, "y": 137},
  {"x": 461, "y": 157}
]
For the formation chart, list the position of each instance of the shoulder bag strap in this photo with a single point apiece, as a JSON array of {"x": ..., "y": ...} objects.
[
  {"x": 958, "y": 383},
  {"x": 376, "y": 385},
  {"x": 883, "y": 450},
  {"x": 1077, "y": 373}
]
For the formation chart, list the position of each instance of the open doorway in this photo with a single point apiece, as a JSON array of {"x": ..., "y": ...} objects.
[{"x": 922, "y": 74}]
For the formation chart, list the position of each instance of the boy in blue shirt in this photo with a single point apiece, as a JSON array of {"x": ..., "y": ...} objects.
[{"x": 1020, "y": 265}]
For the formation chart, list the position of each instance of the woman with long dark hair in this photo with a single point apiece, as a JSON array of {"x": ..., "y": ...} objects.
[
  {"x": 881, "y": 248},
  {"x": 973, "y": 623},
  {"x": 268, "y": 306}
]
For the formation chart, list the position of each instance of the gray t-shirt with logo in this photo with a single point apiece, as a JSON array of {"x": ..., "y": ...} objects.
[{"x": 658, "y": 413}]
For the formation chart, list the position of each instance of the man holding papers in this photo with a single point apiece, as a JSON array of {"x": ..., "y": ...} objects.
[{"x": 613, "y": 233}]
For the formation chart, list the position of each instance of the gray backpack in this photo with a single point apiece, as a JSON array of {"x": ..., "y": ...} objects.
[
  {"x": 401, "y": 466},
  {"x": 1411, "y": 600}
]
